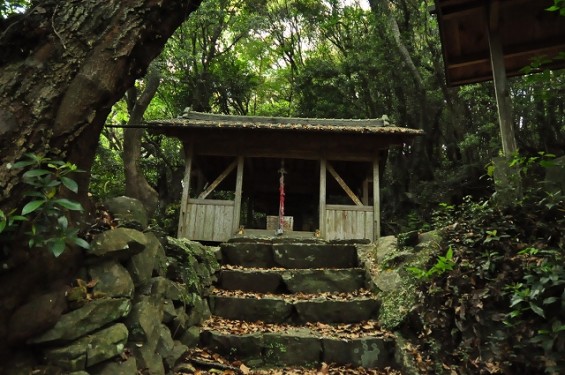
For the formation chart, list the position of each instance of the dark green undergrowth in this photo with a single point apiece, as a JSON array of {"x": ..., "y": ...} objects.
[{"x": 499, "y": 305}]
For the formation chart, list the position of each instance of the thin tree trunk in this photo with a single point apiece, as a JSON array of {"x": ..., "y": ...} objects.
[
  {"x": 136, "y": 183},
  {"x": 422, "y": 161}
]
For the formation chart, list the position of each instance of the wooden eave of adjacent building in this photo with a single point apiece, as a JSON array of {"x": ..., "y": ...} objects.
[
  {"x": 301, "y": 138},
  {"x": 527, "y": 30}
]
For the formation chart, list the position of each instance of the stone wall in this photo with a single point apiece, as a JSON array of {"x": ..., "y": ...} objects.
[{"x": 134, "y": 305}]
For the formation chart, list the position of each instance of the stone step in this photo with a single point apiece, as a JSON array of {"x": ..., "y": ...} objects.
[
  {"x": 292, "y": 281},
  {"x": 265, "y": 254},
  {"x": 301, "y": 347},
  {"x": 315, "y": 255},
  {"x": 281, "y": 310}
]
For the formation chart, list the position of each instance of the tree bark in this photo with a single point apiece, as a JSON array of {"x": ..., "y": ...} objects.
[
  {"x": 136, "y": 183},
  {"x": 63, "y": 65},
  {"x": 423, "y": 146}
]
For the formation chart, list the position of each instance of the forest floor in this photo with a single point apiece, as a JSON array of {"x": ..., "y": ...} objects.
[{"x": 202, "y": 362}]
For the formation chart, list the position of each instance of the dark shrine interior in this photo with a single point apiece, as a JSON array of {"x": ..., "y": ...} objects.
[{"x": 261, "y": 181}]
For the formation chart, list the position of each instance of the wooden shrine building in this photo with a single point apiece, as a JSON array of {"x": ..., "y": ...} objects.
[{"x": 234, "y": 164}]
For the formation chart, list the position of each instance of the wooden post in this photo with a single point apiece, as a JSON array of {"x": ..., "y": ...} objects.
[
  {"x": 507, "y": 180},
  {"x": 322, "y": 208},
  {"x": 238, "y": 193},
  {"x": 376, "y": 200},
  {"x": 365, "y": 199},
  {"x": 501, "y": 90},
  {"x": 188, "y": 156}
]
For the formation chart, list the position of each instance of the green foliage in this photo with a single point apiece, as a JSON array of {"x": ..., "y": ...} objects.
[
  {"x": 443, "y": 216},
  {"x": 203, "y": 68},
  {"x": 443, "y": 265},
  {"x": 537, "y": 302},
  {"x": 558, "y": 6},
  {"x": 42, "y": 220},
  {"x": 10, "y": 7},
  {"x": 525, "y": 163},
  {"x": 107, "y": 173},
  {"x": 191, "y": 263},
  {"x": 510, "y": 270},
  {"x": 168, "y": 218}
]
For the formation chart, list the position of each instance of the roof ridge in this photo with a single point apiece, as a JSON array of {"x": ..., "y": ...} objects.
[{"x": 202, "y": 116}]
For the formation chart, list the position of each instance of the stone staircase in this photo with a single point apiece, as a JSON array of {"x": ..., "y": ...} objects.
[{"x": 310, "y": 300}]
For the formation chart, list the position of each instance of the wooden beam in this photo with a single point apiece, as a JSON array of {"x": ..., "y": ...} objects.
[
  {"x": 513, "y": 51},
  {"x": 342, "y": 207},
  {"x": 211, "y": 202},
  {"x": 450, "y": 9},
  {"x": 279, "y": 144},
  {"x": 188, "y": 151},
  {"x": 218, "y": 180},
  {"x": 343, "y": 185},
  {"x": 322, "y": 208},
  {"x": 238, "y": 193},
  {"x": 376, "y": 200}
]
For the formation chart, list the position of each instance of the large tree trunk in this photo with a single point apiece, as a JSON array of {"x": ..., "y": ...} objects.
[{"x": 63, "y": 65}]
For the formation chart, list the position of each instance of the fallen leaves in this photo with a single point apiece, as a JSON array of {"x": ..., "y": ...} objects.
[
  {"x": 244, "y": 369},
  {"x": 326, "y": 296},
  {"x": 203, "y": 362},
  {"x": 347, "y": 331}
]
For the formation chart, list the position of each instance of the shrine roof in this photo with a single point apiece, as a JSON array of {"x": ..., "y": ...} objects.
[{"x": 198, "y": 120}]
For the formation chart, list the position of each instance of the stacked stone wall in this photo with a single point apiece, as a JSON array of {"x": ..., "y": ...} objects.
[{"x": 134, "y": 306}]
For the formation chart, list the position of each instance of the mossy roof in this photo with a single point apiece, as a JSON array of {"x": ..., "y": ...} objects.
[{"x": 198, "y": 120}]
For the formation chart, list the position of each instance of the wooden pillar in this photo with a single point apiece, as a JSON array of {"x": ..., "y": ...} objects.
[
  {"x": 183, "y": 219},
  {"x": 238, "y": 193},
  {"x": 507, "y": 180},
  {"x": 322, "y": 205},
  {"x": 365, "y": 188},
  {"x": 500, "y": 82},
  {"x": 376, "y": 200}
]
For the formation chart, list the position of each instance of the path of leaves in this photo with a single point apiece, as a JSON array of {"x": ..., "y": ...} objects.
[
  {"x": 202, "y": 362},
  {"x": 327, "y": 296},
  {"x": 232, "y": 267},
  {"x": 340, "y": 330}
]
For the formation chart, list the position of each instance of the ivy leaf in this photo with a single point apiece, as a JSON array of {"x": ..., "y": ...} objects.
[
  {"x": 549, "y": 300},
  {"x": 516, "y": 300},
  {"x": 21, "y": 164},
  {"x": 70, "y": 184},
  {"x": 557, "y": 326},
  {"x": 35, "y": 173},
  {"x": 63, "y": 222},
  {"x": 82, "y": 243},
  {"x": 73, "y": 206},
  {"x": 35, "y": 194},
  {"x": 32, "y": 206},
  {"x": 57, "y": 247},
  {"x": 538, "y": 310}
]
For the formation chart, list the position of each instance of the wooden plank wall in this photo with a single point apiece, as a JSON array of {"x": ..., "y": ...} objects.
[
  {"x": 349, "y": 222},
  {"x": 209, "y": 220}
]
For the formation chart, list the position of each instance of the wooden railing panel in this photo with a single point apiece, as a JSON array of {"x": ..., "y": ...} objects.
[
  {"x": 349, "y": 222},
  {"x": 209, "y": 220}
]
